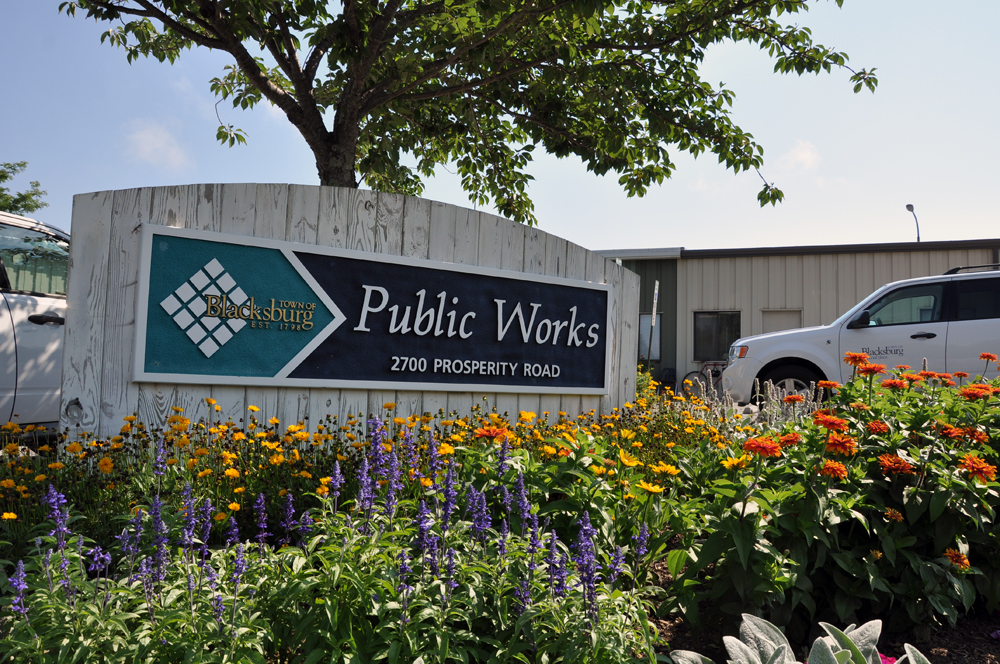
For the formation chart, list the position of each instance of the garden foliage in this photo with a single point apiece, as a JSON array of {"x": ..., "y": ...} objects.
[{"x": 488, "y": 538}]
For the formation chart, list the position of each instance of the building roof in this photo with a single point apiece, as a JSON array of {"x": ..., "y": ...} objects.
[{"x": 886, "y": 247}]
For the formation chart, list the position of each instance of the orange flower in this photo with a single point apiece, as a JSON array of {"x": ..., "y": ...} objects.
[
  {"x": 838, "y": 444},
  {"x": 828, "y": 421},
  {"x": 789, "y": 439},
  {"x": 496, "y": 433},
  {"x": 834, "y": 469},
  {"x": 652, "y": 488},
  {"x": 322, "y": 490},
  {"x": 234, "y": 507},
  {"x": 893, "y": 515},
  {"x": 765, "y": 447},
  {"x": 232, "y": 472},
  {"x": 794, "y": 398},
  {"x": 978, "y": 469},
  {"x": 989, "y": 357},
  {"x": 894, "y": 384},
  {"x": 913, "y": 378},
  {"x": 877, "y": 427},
  {"x": 828, "y": 384},
  {"x": 894, "y": 465},
  {"x": 221, "y": 516},
  {"x": 976, "y": 391},
  {"x": 961, "y": 374},
  {"x": 972, "y": 433},
  {"x": 855, "y": 359},
  {"x": 956, "y": 557},
  {"x": 106, "y": 465},
  {"x": 871, "y": 369}
]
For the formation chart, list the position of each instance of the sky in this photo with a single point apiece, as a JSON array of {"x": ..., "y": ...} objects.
[{"x": 85, "y": 120}]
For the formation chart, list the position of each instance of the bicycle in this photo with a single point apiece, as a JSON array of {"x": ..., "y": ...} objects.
[{"x": 709, "y": 376}]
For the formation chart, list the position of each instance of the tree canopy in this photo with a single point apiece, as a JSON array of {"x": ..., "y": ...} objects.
[
  {"x": 383, "y": 91},
  {"x": 24, "y": 202}
]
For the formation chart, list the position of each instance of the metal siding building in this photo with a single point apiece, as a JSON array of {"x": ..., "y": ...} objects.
[{"x": 774, "y": 288}]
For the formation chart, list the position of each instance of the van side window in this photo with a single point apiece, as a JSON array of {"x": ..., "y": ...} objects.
[
  {"x": 908, "y": 305},
  {"x": 978, "y": 299},
  {"x": 34, "y": 261}
]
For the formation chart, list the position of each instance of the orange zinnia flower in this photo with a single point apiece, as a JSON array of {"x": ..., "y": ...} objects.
[
  {"x": 834, "y": 469},
  {"x": 496, "y": 433},
  {"x": 893, "y": 515},
  {"x": 877, "y": 427},
  {"x": 976, "y": 391},
  {"x": 913, "y": 378},
  {"x": 838, "y": 444},
  {"x": 828, "y": 421},
  {"x": 828, "y": 384},
  {"x": 871, "y": 369},
  {"x": 789, "y": 439},
  {"x": 794, "y": 398},
  {"x": 765, "y": 447},
  {"x": 855, "y": 359},
  {"x": 894, "y": 384},
  {"x": 978, "y": 469},
  {"x": 894, "y": 465},
  {"x": 972, "y": 433},
  {"x": 991, "y": 357},
  {"x": 956, "y": 557}
]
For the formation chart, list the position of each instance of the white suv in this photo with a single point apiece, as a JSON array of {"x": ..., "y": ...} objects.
[
  {"x": 947, "y": 320},
  {"x": 35, "y": 259}
]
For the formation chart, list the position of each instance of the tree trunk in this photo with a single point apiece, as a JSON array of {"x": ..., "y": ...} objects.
[{"x": 336, "y": 160}]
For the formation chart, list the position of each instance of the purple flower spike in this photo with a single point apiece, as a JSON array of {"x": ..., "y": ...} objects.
[
  {"x": 19, "y": 583},
  {"x": 233, "y": 534},
  {"x": 617, "y": 565},
  {"x": 586, "y": 565},
  {"x": 59, "y": 515},
  {"x": 260, "y": 510},
  {"x": 288, "y": 522}
]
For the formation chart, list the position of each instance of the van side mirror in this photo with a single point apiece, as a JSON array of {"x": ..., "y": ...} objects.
[{"x": 863, "y": 319}]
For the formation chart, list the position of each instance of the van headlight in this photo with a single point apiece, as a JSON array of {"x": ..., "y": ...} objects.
[{"x": 736, "y": 352}]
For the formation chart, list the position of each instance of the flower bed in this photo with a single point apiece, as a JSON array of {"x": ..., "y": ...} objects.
[{"x": 462, "y": 538}]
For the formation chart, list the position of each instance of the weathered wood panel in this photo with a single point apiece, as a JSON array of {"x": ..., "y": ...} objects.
[
  {"x": 86, "y": 297},
  {"x": 104, "y": 271}
]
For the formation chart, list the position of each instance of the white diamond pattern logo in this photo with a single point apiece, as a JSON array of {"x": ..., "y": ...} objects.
[{"x": 186, "y": 305}]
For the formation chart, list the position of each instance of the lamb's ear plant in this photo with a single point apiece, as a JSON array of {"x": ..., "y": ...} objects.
[{"x": 761, "y": 642}]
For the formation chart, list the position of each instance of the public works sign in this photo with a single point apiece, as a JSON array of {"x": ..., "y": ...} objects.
[{"x": 224, "y": 309}]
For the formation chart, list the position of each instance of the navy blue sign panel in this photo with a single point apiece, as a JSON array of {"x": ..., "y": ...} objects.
[
  {"x": 420, "y": 324},
  {"x": 222, "y": 309}
]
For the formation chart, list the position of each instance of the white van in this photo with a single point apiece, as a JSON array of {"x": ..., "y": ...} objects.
[
  {"x": 947, "y": 320},
  {"x": 35, "y": 261}
]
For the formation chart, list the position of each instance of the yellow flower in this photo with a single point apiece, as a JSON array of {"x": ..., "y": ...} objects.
[
  {"x": 106, "y": 465},
  {"x": 205, "y": 473},
  {"x": 232, "y": 472},
  {"x": 210, "y": 401},
  {"x": 40, "y": 478},
  {"x": 239, "y": 489},
  {"x": 305, "y": 475},
  {"x": 171, "y": 462},
  {"x": 389, "y": 406},
  {"x": 274, "y": 421},
  {"x": 322, "y": 491},
  {"x": 192, "y": 463},
  {"x": 74, "y": 448},
  {"x": 239, "y": 435},
  {"x": 445, "y": 448},
  {"x": 548, "y": 449},
  {"x": 426, "y": 481},
  {"x": 9, "y": 516},
  {"x": 628, "y": 459},
  {"x": 44, "y": 448},
  {"x": 652, "y": 488},
  {"x": 277, "y": 459},
  {"x": 253, "y": 409},
  {"x": 221, "y": 516},
  {"x": 738, "y": 462},
  {"x": 200, "y": 452},
  {"x": 8, "y": 484},
  {"x": 56, "y": 466},
  {"x": 234, "y": 507}
]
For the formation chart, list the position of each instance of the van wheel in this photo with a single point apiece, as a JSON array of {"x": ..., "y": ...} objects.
[{"x": 792, "y": 379}]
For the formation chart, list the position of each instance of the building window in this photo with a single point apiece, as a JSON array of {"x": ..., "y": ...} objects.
[
  {"x": 714, "y": 333},
  {"x": 644, "y": 320}
]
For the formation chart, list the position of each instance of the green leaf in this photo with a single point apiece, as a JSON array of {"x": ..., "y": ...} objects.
[
  {"x": 845, "y": 643},
  {"x": 676, "y": 560},
  {"x": 688, "y": 657},
  {"x": 938, "y": 502},
  {"x": 914, "y": 656},
  {"x": 821, "y": 653}
]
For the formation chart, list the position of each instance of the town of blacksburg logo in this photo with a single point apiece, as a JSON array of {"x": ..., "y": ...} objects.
[{"x": 186, "y": 305}]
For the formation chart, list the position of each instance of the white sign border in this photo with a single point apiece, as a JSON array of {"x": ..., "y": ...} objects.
[{"x": 139, "y": 375}]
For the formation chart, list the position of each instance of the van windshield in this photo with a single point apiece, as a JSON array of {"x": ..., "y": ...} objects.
[{"x": 846, "y": 316}]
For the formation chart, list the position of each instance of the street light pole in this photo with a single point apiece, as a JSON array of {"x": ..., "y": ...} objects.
[{"x": 909, "y": 207}]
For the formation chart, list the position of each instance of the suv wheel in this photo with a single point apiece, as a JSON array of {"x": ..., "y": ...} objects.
[{"x": 791, "y": 379}]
